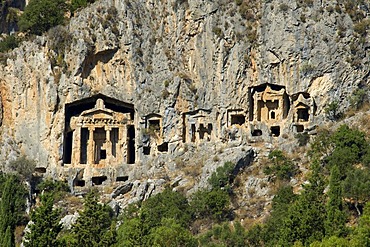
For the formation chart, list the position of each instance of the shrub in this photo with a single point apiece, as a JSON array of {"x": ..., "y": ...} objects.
[
  {"x": 281, "y": 167},
  {"x": 283, "y": 7},
  {"x": 210, "y": 204},
  {"x": 332, "y": 110},
  {"x": 77, "y": 4},
  {"x": 217, "y": 31},
  {"x": 223, "y": 176},
  {"x": 307, "y": 68},
  {"x": 41, "y": 15},
  {"x": 358, "y": 98},
  {"x": 302, "y": 138},
  {"x": 9, "y": 43}
]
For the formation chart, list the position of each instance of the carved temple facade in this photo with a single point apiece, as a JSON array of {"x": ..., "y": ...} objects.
[{"x": 100, "y": 137}]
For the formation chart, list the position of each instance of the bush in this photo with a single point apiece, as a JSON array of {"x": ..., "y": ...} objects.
[
  {"x": 9, "y": 43},
  {"x": 358, "y": 98},
  {"x": 222, "y": 177},
  {"x": 282, "y": 168},
  {"x": 284, "y": 7},
  {"x": 210, "y": 204},
  {"x": 41, "y": 15},
  {"x": 332, "y": 111},
  {"x": 302, "y": 138}
]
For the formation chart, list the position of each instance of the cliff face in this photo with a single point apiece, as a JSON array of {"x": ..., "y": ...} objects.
[{"x": 174, "y": 58}]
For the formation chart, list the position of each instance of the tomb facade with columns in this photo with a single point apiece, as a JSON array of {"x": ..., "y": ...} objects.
[{"x": 99, "y": 139}]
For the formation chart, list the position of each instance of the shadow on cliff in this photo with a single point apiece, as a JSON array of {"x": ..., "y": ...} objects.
[{"x": 92, "y": 60}]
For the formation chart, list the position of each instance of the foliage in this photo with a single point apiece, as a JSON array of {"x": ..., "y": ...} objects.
[
  {"x": 171, "y": 234},
  {"x": 46, "y": 226},
  {"x": 356, "y": 186},
  {"x": 332, "y": 111},
  {"x": 284, "y": 7},
  {"x": 281, "y": 166},
  {"x": 336, "y": 217},
  {"x": 12, "y": 206},
  {"x": 361, "y": 236},
  {"x": 143, "y": 224},
  {"x": 280, "y": 205},
  {"x": 94, "y": 226},
  {"x": 77, "y": 4},
  {"x": 8, "y": 238},
  {"x": 358, "y": 98},
  {"x": 210, "y": 204},
  {"x": 304, "y": 221},
  {"x": 223, "y": 177},
  {"x": 9, "y": 43},
  {"x": 41, "y": 15},
  {"x": 57, "y": 188},
  {"x": 23, "y": 166},
  {"x": 225, "y": 235},
  {"x": 349, "y": 147},
  {"x": 302, "y": 138},
  {"x": 167, "y": 204},
  {"x": 49, "y": 185},
  {"x": 307, "y": 68}
]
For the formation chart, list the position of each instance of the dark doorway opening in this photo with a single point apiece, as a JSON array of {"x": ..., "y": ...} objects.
[
  {"x": 275, "y": 131},
  {"x": 302, "y": 115},
  {"x": 257, "y": 132},
  {"x": 237, "y": 119},
  {"x": 40, "y": 169},
  {"x": 131, "y": 144},
  {"x": 299, "y": 128},
  {"x": 98, "y": 180},
  {"x": 193, "y": 133},
  {"x": 68, "y": 139},
  {"x": 146, "y": 150},
  {"x": 83, "y": 145},
  {"x": 163, "y": 147},
  {"x": 80, "y": 183},
  {"x": 122, "y": 179}
]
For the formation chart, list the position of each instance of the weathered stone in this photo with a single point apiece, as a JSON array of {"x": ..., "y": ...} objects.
[{"x": 121, "y": 190}]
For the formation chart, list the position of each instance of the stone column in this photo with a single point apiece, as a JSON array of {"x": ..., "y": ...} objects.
[
  {"x": 90, "y": 147},
  {"x": 76, "y": 145},
  {"x": 108, "y": 143},
  {"x": 122, "y": 144}
]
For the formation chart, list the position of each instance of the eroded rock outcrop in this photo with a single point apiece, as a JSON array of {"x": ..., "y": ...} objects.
[{"x": 194, "y": 73}]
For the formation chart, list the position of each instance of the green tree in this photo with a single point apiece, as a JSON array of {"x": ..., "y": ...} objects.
[
  {"x": 349, "y": 147},
  {"x": 222, "y": 177},
  {"x": 12, "y": 206},
  {"x": 170, "y": 234},
  {"x": 46, "y": 226},
  {"x": 280, "y": 206},
  {"x": 356, "y": 186},
  {"x": 131, "y": 233},
  {"x": 8, "y": 239},
  {"x": 41, "y": 15},
  {"x": 358, "y": 98},
  {"x": 361, "y": 236},
  {"x": 168, "y": 204},
  {"x": 144, "y": 223},
  {"x": 212, "y": 204},
  {"x": 76, "y": 4},
  {"x": 332, "y": 110},
  {"x": 281, "y": 166},
  {"x": 225, "y": 235},
  {"x": 336, "y": 217},
  {"x": 94, "y": 225},
  {"x": 305, "y": 218},
  {"x": 332, "y": 241}
]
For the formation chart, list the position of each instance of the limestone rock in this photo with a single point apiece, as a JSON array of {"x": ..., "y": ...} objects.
[{"x": 189, "y": 85}]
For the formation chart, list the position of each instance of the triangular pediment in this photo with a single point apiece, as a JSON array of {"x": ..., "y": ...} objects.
[{"x": 98, "y": 113}]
